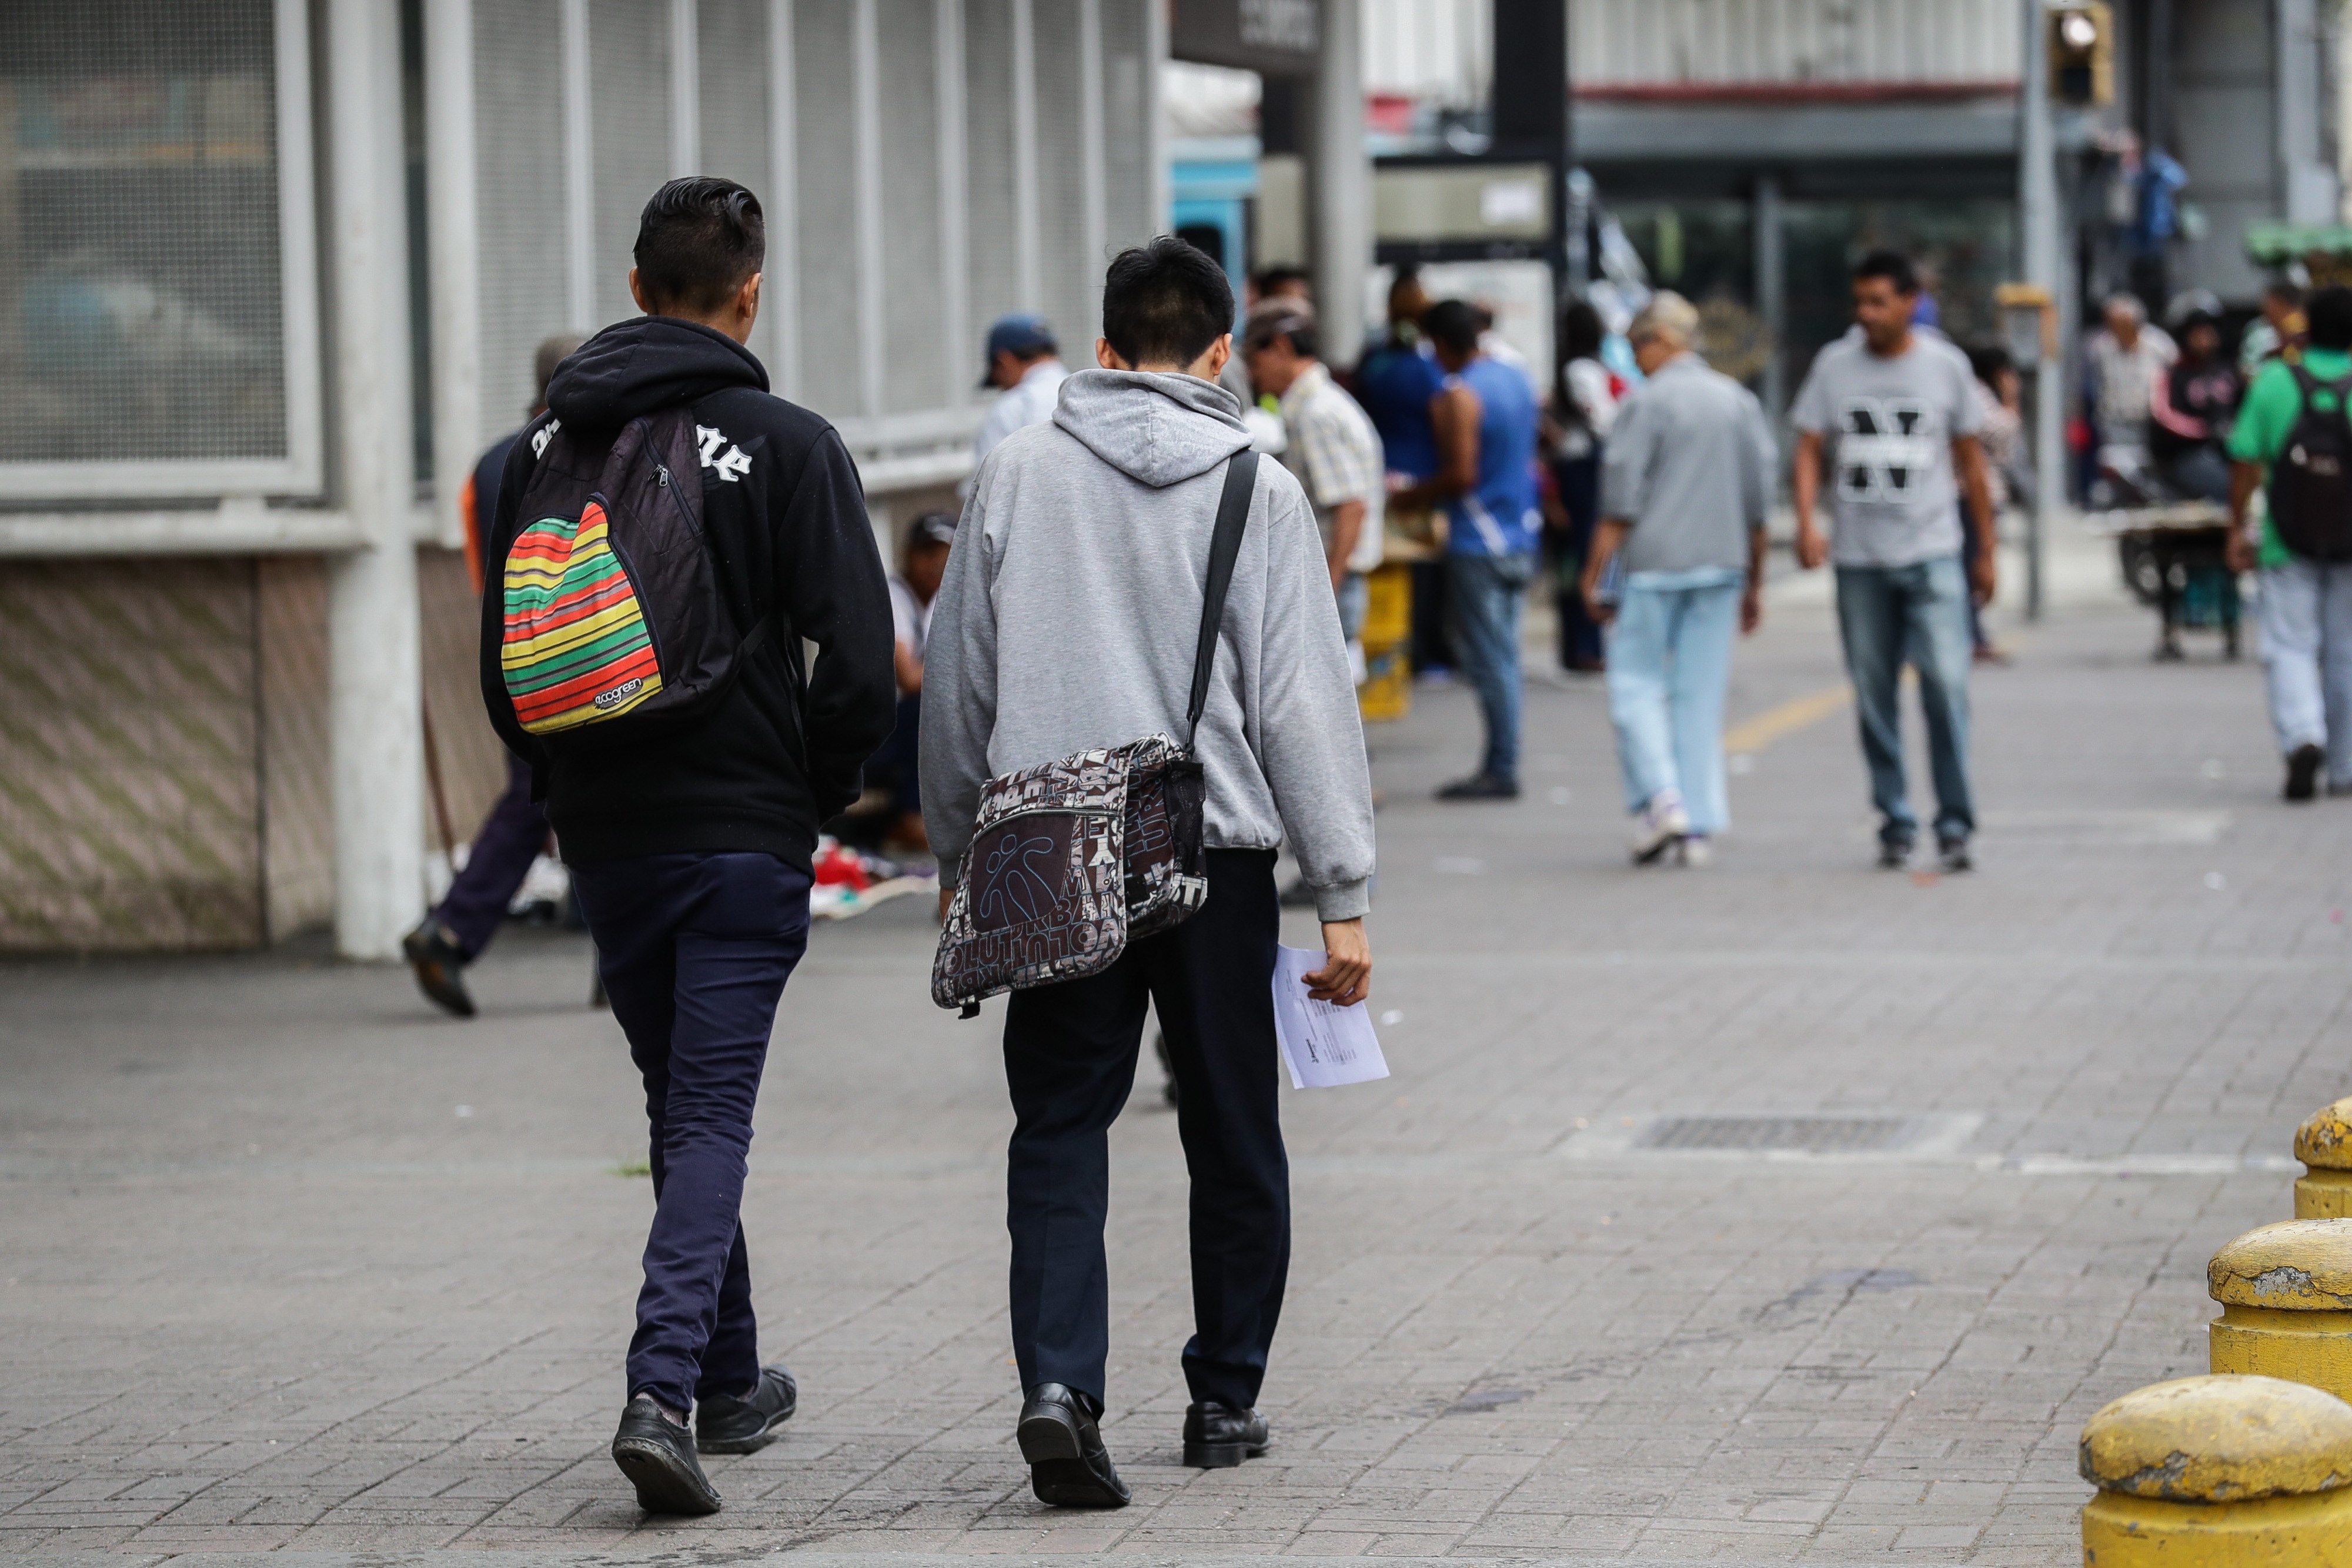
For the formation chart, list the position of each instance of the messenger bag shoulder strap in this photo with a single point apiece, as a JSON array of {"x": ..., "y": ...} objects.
[{"x": 1225, "y": 548}]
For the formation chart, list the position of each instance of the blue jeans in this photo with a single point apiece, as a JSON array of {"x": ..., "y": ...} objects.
[
  {"x": 1355, "y": 599},
  {"x": 1484, "y": 595},
  {"x": 1888, "y": 616},
  {"x": 510, "y": 839},
  {"x": 694, "y": 950},
  {"x": 2308, "y": 654},
  {"x": 1669, "y": 658}
]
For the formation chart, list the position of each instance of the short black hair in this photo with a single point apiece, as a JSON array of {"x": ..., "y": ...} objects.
[
  {"x": 2328, "y": 312},
  {"x": 1165, "y": 302},
  {"x": 1891, "y": 265},
  {"x": 1989, "y": 361},
  {"x": 1580, "y": 332},
  {"x": 698, "y": 240},
  {"x": 1298, "y": 330},
  {"x": 1270, "y": 278},
  {"x": 1453, "y": 325},
  {"x": 2285, "y": 290}
]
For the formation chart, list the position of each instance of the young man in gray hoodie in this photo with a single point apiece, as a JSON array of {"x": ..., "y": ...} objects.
[{"x": 1068, "y": 620}]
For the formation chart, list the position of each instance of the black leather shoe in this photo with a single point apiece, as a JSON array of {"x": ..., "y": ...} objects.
[
  {"x": 1218, "y": 1436},
  {"x": 658, "y": 1456},
  {"x": 724, "y": 1426},
  {"x": 1068, "y": 1466},
  {"x": 439, "y": 968}
]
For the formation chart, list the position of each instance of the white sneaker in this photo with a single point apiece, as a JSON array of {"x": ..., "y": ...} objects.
[
  {"x": 1661, "y": 824},
  {"x": 1694, "y": 852}
]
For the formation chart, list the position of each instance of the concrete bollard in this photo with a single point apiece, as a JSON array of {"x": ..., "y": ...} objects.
[
  {"x": 2285, "y": 1291},
  {"x": 2220, "y": 1472},
  {"x": 2324, "y": 1145}
]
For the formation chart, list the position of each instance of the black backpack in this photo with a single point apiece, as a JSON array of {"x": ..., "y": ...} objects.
[
  {"x": 2311, "y": 482},
  {"x": 611, "y": 624}
]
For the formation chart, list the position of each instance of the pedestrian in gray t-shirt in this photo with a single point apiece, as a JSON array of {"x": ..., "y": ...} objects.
[
  {"x": 1888, "y": 422},
  {"x": 1889, "y": 418}
]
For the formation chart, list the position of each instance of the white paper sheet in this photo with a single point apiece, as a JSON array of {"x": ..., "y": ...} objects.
[{"x": 1323, "y": 1045}]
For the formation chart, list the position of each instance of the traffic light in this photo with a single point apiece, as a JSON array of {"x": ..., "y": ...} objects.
[{"x": 2083, "y": 53}]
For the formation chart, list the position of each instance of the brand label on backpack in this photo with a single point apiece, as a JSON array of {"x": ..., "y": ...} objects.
[{"x": 576, "y": 646}]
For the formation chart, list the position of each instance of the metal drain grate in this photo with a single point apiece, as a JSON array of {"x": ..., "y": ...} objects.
[{"x": 1802, "y": 1134}]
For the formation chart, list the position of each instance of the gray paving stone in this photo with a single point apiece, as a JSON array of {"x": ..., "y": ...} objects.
[{"x": 263, "y": 1291}]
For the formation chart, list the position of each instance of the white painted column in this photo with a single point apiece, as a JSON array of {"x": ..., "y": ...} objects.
[
  {"x": 454, "y": 256},
  {"x": 2037, "y": 198},
  {"x": 866, "y": 99},
  {"x": 1339, "y": 182},
  {"x": 685, "y": 88},
  {"x": 955, "y": 241},
  {"x": 1028, "y": 242},
  {"x": 781, "y": 290},
  {"x": 375, "y": 711},
  {"x": 1163, "y": 174},
  {"x": 579, "y": 169}
]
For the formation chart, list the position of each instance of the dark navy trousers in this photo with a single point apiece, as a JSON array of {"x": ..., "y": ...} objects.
[
  {"x": 1069, "y": 1059},
  {"x": 510, "y": 838},
  {"x": 694, "y": 950}
]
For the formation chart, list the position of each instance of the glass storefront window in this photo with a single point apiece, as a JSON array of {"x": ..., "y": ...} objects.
[{"x": 144, "y": 311}]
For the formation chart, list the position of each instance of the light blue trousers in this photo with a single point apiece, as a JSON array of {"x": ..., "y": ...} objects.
[
  {"x": 1669, "y": 658},
  {"x": 2307, "y": 617}
]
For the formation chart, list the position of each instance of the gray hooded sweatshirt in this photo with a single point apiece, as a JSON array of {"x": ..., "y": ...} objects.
[{"x": 1071, "y": 608}]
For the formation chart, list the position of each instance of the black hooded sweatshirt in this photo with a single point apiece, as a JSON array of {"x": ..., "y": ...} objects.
[{"x": 785, "y": 520}]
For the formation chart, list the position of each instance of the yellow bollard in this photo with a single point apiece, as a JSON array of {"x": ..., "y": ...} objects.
[
  {"x": 2324, "y": 1145},
  {"x": 2285, "y": 1291},
  {"x": 2220, "y": 1472}
]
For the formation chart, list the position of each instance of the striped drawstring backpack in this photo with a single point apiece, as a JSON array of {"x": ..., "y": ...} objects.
[{"x": 612, "y": 627}]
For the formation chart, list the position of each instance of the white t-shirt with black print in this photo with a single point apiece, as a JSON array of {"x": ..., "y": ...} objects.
[{"x": 1888, "y": 426}]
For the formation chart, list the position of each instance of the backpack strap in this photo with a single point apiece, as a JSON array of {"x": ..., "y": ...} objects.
[{"x": 1225, "y": 548}]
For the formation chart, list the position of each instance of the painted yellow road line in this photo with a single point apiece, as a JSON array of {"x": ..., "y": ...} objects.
[{"x": 1773, "y": 723}]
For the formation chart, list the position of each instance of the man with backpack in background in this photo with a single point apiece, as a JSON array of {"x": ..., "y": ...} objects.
[
  {"x": 2293, "y": 431},
  {"x": 667, "y": 536},
  {"x": 453, "y": 935},
  {"x": 1071, "y": 618}
]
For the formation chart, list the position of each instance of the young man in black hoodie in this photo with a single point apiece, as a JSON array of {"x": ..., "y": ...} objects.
[{"x": 691, "y": 853}]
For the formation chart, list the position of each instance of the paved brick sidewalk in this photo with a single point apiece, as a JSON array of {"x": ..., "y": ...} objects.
[{"x": 286, "y": 1261}]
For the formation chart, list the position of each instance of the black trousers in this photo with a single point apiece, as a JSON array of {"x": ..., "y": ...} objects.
[{"x": 1069, "y": 1059}]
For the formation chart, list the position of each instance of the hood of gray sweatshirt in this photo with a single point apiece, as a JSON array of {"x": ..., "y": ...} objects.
[{"x": 1070, "y": 609}]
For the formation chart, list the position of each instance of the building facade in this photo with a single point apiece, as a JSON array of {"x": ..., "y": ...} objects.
[{"x": 271, "y": 272}]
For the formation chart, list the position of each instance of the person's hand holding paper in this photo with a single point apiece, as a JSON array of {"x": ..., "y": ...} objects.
[{"x": 1326, "y": 1041}]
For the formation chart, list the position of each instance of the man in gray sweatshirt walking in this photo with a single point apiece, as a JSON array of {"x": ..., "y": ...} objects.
[{"x": 1068, "y": 620}]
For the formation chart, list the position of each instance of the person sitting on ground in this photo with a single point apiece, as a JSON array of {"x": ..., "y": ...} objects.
[
  {"x": 2190, "y": 412},
  {"x": 1485, "y": 417},
  {"x": 2306, "y": 602},
  {"x": 922, "y": 561},
  {"x": 1689, "y": 486},
  {"x": 511, "y": 838},
  {"x": 1069, "y": 620},
  {"x": 1025, "y": 366},
  {"x": 690, "y": 850}
]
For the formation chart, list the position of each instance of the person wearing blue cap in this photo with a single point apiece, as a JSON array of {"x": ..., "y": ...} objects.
[{"x": 1024, "y": 364}]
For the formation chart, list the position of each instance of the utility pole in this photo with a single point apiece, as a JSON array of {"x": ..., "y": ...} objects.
[{"x": 2037, "y": 196}]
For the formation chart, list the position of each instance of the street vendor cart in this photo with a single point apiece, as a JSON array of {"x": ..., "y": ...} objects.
[{"x": 2174, "y": 557}]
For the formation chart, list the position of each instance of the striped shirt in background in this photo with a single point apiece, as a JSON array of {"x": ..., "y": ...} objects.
[{"x": 1336, "y": 454}]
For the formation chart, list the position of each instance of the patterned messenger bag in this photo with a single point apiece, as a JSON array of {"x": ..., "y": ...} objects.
[{"x": 1070, "y": 859}]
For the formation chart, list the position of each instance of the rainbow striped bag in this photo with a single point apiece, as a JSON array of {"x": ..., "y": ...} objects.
[{"x": 612, "y": 627}]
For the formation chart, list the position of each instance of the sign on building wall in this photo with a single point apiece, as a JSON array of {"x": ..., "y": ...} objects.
[{"x": 1274, "y": 37}]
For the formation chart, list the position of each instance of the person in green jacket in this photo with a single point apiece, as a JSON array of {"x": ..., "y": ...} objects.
[{"x": 2306, "y": 604}]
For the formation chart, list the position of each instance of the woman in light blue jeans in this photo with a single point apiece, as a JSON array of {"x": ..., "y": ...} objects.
[{"x": 1686, "y": 480}]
